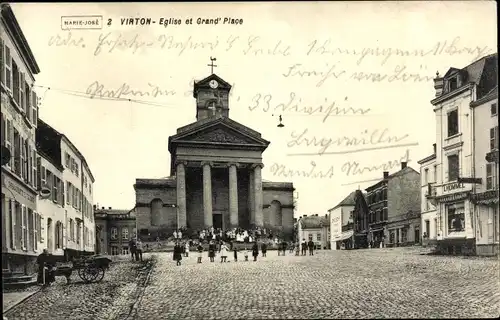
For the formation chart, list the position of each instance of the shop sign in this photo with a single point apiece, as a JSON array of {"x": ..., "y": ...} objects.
[
  {"x": 453, "y": 186},
  {"x": 453, "y": 197},
  {"x": 492, "y": 194},
  {"x": 17, "y": 190}
]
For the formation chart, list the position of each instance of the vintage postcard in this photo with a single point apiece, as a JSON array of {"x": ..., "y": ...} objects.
[{"x": 250, "y": 160}]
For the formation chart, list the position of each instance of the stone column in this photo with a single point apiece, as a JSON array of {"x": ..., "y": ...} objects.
[
  {"x": 251, "y": 196},
  {"x": 181, "y": 194},
  {"x": 233, "y": 195},
  {"x": 207, "y": 194},
  {"x": 259, "y": 197}
]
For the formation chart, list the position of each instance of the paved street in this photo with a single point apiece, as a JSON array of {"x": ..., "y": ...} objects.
[
  {"x": 342, "y": 284},
  {"x": 379, "y": 283}
]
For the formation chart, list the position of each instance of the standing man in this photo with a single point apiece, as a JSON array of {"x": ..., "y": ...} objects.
[
  {"x": 42, "y": 262},
  {"x": 310, "y": 245},
  {"x": 132, "y": 245},
  {"x": 255, "y": 251},
  {"x": 138, "y": 254},
  {"x": 304, "y": 247}
]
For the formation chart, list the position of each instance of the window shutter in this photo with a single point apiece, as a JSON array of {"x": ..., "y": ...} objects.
[
  {"x": 34, "y": 169},
  {"x": 23, "y": 227},
  {"x": 41, "y": 230},
  {"x": 22, "y": 97},
  {"x": 12, "y": 213},
  {"x": 2, "y": 62},
  {"x": 8, "y": 68},
  {"x": 34, "y": 105}
]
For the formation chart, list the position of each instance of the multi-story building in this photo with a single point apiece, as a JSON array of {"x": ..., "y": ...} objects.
[
  {"x": 454, "y": 150},
  {"x": 51, "y": 204},
  {"x": 19, "y": 113},
  {"x": 315, "y": 228},
  {"x": 342, "y": 223},
  {"x": 428, "y": 175},
  {"x": 114, "y": 229},
  {"x": 394, "y": 209},
  {"x": 75, "y": 188},
  {"x": 360, "y": 220},
  {"x": 485, "y": 197}
]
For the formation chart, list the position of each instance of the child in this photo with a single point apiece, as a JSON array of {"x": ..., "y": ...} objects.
[
  {"x": 235, "y": 250},
  {"x": 200, "y": 252},
  {"x": 223, "y": 253},
  {"x": 246, "y": 254}
]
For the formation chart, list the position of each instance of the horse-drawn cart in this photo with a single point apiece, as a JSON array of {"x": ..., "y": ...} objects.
[{"x": 91, "y": 269}]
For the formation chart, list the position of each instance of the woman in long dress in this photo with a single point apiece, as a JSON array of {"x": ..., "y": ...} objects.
[
  {"x": 211, "y": 251},
  {"x": 223, "y": 253},
  {"x": 178, "y": 254}
]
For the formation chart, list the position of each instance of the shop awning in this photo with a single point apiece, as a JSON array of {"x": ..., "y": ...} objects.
[{"x": 345, "y": 235}]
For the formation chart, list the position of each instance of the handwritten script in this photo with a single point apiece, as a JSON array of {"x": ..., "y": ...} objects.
[
  {"x": 96, "y": 89},
  {"x": 294, "y": 104},
  {"x": 376, "y": 138}
]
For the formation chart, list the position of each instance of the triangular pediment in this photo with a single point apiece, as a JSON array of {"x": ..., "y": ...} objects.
[{"x": 220, "y": 131}]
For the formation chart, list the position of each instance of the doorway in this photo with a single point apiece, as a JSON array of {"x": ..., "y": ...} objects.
[
  {"x": 417, "y": 235},
  {"x": 217, "y": 221}
]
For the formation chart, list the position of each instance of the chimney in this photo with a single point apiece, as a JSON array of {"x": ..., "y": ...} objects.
[
  {"x": 95, "y": 207},
  {"x": 109, "y": 208},
  {"x": 403, "y": 165},
  {"x": 434, "y": 146},
  {"x": 386, "y": 174},
  {"x": 438, "y": 85},
  {"x": 305, "y": 215},
  {"x": 103, "y": 208}
]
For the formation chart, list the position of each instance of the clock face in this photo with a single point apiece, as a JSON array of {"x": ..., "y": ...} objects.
[{"x": 213, "y": 84}]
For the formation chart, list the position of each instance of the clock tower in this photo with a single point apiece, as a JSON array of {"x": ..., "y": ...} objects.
[{"x": 212, "y": 97}]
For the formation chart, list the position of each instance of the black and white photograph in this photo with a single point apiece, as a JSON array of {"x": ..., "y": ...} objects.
[{"x": 249, "y": 160}]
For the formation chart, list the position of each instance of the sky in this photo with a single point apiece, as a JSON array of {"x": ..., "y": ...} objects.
[{"x": 352, "y": 82}]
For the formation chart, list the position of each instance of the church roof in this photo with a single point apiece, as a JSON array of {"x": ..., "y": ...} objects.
[{"x": 220, "y": 130}]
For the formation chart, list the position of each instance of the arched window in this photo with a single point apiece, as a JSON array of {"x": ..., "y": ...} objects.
[
  {"x": 156, "y": 212},
  {"x": 276, "y": 213}
]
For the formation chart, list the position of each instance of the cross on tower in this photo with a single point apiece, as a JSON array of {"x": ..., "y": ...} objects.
[{"x": 212, "y": 65}]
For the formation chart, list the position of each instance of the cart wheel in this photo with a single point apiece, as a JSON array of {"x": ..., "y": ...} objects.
[
  {"x": 89, "y": 273},
  {"x": 80, "y": 274},
  {"x": 99, "y": 274}
]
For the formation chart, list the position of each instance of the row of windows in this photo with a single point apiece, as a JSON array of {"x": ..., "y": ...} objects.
[
  {"x": 377, "y": 196},
  {"x": 72, "y": 164},
  {"x": 453, "y": 128},
  {"x": 318, "y": 237},
  {"x": 115, "y": 251},
  {"x": 25, "y": 225},
  {"x": 454, "y": 171},
  {"x": 124, "y": 233},
  {"x": 378, "y": 215},
  {"x": 16, "y": 85},
  {"x": 77, "y": 199},
  {"x": 23, "y": 154}
]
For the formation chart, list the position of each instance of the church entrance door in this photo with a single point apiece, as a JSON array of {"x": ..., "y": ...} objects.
[{"x": 217, "y": 220}]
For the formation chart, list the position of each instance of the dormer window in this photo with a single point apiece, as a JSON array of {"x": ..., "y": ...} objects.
[{"x": 452, "y": 83}]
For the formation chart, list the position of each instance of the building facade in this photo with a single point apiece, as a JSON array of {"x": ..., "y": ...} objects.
[
  {"x": 315, "y": 228},
  {"x": 51, "y": 205},
  {"x": 342, "y": 223},
  {"x": 454, "y": 150},
  {"x": 360, "y": 216},
  {"x": 19, "y": 114},
  {"x": 114, "y": 229},
  {"x": 78, "y": 225},
  {"x": 485, "y": 196},
  {"x": 394, "y": 209},
  {"x": 429, "y": 219},
  {"x": 215, "y": 176}
]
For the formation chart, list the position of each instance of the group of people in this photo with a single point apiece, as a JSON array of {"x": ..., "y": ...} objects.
[
  {"x": 221, "y": 247},
  {"x": 136, "y": 248}
]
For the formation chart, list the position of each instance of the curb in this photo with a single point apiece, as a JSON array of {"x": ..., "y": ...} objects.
[
  {"x": 6, "y": 310},
  {"x": 135, "y": 307}
]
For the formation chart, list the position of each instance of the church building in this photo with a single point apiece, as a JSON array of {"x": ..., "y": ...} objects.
[{"x": 215, "y": 176}]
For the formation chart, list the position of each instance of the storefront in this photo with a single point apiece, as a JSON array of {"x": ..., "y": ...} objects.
[
  {"x": 456, "y": 223},
  {"x": 487, "y": 233},
  {"x": 345, "y": 240},
  {"x": 21, "y": 225}
]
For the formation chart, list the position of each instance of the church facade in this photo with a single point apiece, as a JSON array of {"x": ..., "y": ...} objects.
[{"x": 215, "y": 176}]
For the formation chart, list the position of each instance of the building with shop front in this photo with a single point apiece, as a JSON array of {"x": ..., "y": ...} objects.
[
  {"x": 394, "y": 209},
  {"x": 215, "y": 176},
  {"x": 429, "y": 219},
  {"x": 456, "y": 179},
  {"x": 485, "y": 195},
  {"x": 72, "y": 191},
  {"x": 114, "y": 229},
  {"x": 315, "y": 228},
  {"x": 342, "y": 223},
  {"x": 19, "y": 114}
]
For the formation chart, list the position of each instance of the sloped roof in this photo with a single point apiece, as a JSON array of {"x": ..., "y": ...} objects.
[
  {"x": 314, "y": 222},
  {"x": 348, "y": 201}
]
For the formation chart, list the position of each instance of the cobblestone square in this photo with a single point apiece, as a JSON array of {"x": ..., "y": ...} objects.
[{"x": 378, "y": 283}]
